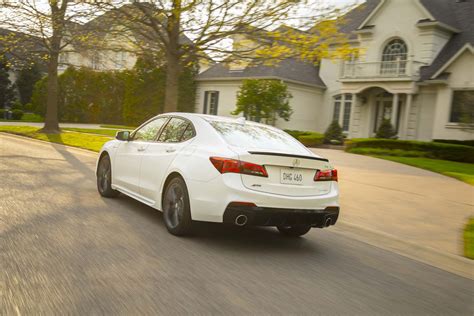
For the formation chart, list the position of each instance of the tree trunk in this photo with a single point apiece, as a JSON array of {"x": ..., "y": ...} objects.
[
  {"x": 51, "y": 124},
  {"x": 173, "y": 54},
  {"x": 172, "y": 84}
]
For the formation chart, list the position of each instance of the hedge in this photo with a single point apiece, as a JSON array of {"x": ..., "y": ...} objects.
[
  {"x": 456, "y": 142},
  {"x": 309, "y": 139},
  {"x": 433, "y": 150},
  {"x": 113, "y": 97}
]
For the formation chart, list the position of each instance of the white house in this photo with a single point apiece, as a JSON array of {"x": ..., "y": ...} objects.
[{"x": 416, "y": 69}]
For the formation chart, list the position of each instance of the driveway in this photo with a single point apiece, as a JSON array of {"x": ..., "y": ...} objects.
[
  {"x": 409, "y": 203},
  {"x": 66, "y": 250}
]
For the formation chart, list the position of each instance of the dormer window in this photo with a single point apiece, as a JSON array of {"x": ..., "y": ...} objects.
[{"x": 394, "y": 58}]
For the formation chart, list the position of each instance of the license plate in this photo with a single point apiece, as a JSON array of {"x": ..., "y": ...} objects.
[{"x": 291, "y": 176}]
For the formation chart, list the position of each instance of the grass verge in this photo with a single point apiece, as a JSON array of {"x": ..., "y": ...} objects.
[
  {"x": 120, "y": 127},
  {"x": 469, "y": 239},
  {"x": 27, "y": 117},
  {"x": 81, "y": 140},
  {"x": 459, "y": 170},
  {"x": 97, "y": 131}
]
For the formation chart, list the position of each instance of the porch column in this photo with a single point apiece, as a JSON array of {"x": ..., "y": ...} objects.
[
  {"x": 393, "y": 119},
  {"x": 351, "y": 117},
  {"x": 406, "y": 119}
]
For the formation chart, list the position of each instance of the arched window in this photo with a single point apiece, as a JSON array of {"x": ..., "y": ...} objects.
[{"x": 394, "y": 58}]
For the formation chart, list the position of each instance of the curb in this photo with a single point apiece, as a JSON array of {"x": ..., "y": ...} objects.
[{"x": 452, "y": 263}]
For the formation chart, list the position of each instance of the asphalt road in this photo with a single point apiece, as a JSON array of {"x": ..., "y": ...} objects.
[{"x": 66, "y": 250}]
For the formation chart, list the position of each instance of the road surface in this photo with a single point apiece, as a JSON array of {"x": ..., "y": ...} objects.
[{"x": 65, "y": 250}]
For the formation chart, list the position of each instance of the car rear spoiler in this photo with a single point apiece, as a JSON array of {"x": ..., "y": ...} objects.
[{"x": 287, "y": 155}]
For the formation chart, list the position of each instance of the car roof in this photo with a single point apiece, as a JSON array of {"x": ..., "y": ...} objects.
[{"x": 208, "y": 118}]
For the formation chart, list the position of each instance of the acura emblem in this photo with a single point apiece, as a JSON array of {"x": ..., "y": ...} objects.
[{"x": 296, "y": 163}]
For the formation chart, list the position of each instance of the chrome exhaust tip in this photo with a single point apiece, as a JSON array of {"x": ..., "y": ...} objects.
[
  {"x": 241, "y": 220},
  {"x": 328, "y": 222}
]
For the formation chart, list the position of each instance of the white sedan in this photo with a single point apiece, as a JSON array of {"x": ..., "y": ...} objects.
[{"x": 195, "y": 167}]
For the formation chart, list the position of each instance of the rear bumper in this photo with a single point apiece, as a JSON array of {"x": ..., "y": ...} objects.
[{"x": 266, "y": 216}]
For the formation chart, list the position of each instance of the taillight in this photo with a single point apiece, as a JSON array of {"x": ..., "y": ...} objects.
[
  {"x": 326, "y": 175},
  {"x": 226, "y": 165}
]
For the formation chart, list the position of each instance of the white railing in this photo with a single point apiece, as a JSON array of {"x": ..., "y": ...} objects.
[{"x": 402, "y": 69}]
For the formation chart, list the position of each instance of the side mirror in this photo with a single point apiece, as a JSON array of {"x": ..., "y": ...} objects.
[{"x": 123, "y": 135}]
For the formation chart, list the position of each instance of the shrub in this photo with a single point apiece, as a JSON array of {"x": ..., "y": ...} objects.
[
  {"x": 386, "y": 130},
  {"x": 388, "y": 152},
  {"x": 3, "y": 114},
  {"x": 311, "y": 140},
  {"x": 296, "y": 134},
  {"x": 433, "y": 150},
  {"x": 334, "y": 134},
  {"x": 456, "y": 142},
  {"x": 17, "y": 114},
  {"x": 469, "y": 239}
]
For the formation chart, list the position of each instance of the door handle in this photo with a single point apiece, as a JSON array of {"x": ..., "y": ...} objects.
[
  {"x": 170, "y": 150},
  {"x": 141, "y": 148}
]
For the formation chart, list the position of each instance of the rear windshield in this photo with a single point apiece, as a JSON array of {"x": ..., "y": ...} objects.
[{"x": 257, "y": 137}]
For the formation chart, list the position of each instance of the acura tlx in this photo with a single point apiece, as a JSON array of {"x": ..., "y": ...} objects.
[{"x": 195, "y": 167}]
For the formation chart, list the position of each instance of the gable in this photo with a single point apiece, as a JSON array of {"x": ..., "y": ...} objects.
[{"x": 394, "y": 10}]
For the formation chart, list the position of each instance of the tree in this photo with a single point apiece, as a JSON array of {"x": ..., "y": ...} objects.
[
  {"x": 334, "y": 134},
  {"x": 42, "y": 31},
  {"x": 6, "y": 88},
  {"x": 261, "y": 99},
  {"x": 165, "y": 27},
  {"x": 27, "y": 77},
  {"x": 386, "y": 130}
]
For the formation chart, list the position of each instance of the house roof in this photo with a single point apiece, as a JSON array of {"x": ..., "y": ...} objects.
[
  {"x": 289, "y": 69},
  {"x": 458, "y": 14}
]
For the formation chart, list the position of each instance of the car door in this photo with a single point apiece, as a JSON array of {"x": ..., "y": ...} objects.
[
  {"x": 129, "y": 153},
  {"x": 158, "y": 156}
]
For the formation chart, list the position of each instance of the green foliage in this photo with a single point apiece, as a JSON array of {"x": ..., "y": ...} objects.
[
  {"x": 296, "y": 134},
  {"x": 3, "y": 114},
  {"x": 469, "y": 239},
  {"x": 31, "y": 117},
  {"x": 6, "y": 88},
  {"x": 312, "y": 140},
  {"x": 388, "y": 152},
  {"x": 27, "y": 77},
  {"x": 309, "y": 139},
  {"x": 386, "y": 130},
  {"x": 434, "y": 150},
  {"x": 263, "y": 100},
  {"x": 17, "y": 114},
  {"x": 334, "y": 134},
  {"x": 128, "y": 97},
  {"x": 456, "y": 142}
]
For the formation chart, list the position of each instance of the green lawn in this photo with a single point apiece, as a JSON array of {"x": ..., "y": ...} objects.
[
  {"x": 97, "y": 131},
  {"x": 81, "y": 140},
  {"x": 459, "y": 170},
  {"x": 120, "y": 127}
]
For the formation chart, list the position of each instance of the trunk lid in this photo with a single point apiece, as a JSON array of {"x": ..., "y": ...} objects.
[{"x": 288, "y": 174}]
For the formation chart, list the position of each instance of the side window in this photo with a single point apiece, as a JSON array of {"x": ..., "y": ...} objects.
[
  {"x": 148, "y": 132},
  {"x": 173, "y": 131},
  {"x": 188, "y": 133}
]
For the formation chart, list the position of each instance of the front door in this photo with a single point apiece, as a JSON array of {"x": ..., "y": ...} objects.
[
  {"x": 159, "y": 155},
  {"x": 127, "y": 160},
  {"x": 384, "y": 110}
]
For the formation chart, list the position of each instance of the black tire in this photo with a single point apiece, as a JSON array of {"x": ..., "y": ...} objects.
[
  {"x": 176, "y": 208},
  {"x": 104, "y": 178},
  {"x": 294, "y": 231}
]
